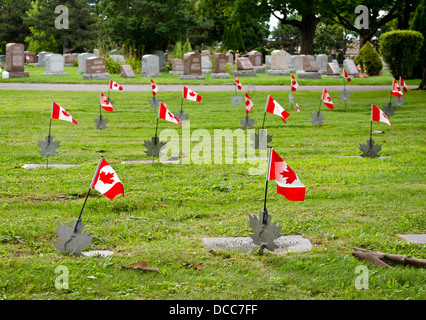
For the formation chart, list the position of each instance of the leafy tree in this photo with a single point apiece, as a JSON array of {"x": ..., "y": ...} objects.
[
  {"x": 286, "y": 37},
  {"x": 80, "y": 35},
  {"x": 12, "y": 27},
  {"x": 369, "y": 60}
]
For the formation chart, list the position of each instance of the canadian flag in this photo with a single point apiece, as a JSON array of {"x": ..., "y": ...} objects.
[
  {"x": 191, "y": 95},
  {"x": 396, "y": 90},
  {"x": 379, "y": 115},
  {"x": 403, "y": 85},
  {"x": 345, "y": 74},
  {"x": 326, "y": 99},
  {"x": 115, "y": 86},
  {"x": 249, "y": 103},
  {"x": 59, "y": 113},
  {"x": 106, "y": 181},
  {"x": 238, "y": 83},
  {"x": 106, "y": 104},
  {"x": 154, "y": 88},
  {"x": 288, "y": 184},
  {"x": 294, "y": 84},
  {"x": 273, "y": 107},
  {"x": 165, "y": 114},
  {"x": 297, "y": 108}
]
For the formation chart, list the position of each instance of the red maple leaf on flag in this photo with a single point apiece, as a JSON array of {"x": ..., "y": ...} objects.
[
  {"x": 66, "y": 114},
  {"x": 106, "y": 177},
  {"x": 289, "y": 174},
  {"x": 192, "y": 94}
]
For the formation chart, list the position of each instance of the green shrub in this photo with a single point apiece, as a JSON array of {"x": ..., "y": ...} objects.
[
  {"x": 135, "y": 63},
  {"x": 112, "y": 66},
  {"x": 369, "y": 60},
  {"x": 400, "y": 50}
]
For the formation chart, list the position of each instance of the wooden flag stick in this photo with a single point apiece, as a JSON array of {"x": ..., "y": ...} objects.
[{"x": 265, "y": 210}]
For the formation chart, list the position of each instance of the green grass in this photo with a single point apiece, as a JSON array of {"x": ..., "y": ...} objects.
[
  {"x": 259, "y": 79},
  {"x": 350, "y": 201}
]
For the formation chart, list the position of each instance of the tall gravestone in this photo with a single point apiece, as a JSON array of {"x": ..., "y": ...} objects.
[
  {"x": 279, "y": 63},
  {"x": 40, "y": 58},
  {"x": 95, "y": 69},
  {"x": 82, "y": 61},
  {"x": 160, "y": 55},
  {"x": 15, "y": 60},
  {"x": 206, "y": 64},
  {"x": 219, "y": 70},
  {"x": 150, "y": 66},
  {"x": 54, "y": 65},
  {"x": 192, "y": 68},
  {"x": 229, "y": 57},
  {"x": 322, "y": 61},
  {"x": 177, "y": 67}
]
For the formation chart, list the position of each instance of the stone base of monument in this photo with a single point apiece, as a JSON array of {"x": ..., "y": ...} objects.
[
  {"x": 175, "y": 73},
  {"x": 54, "y": 74},
  {"x": 322, "y": 71},
  {"x": 19, "y": 74},
  {"x": 192, "y": 77},
  {"x": 286, "y": 244},
  {"x": 220, "y": 75},
  {"x": 279, "y": 72},
  {"x": 50, "y": 165},
  {"x": 308, "y": 75},
  {"x": 206, "y": 71},
  {"x": 245, "y": 73},
  {"x": 333, "y": 76},
  {"x": 260, "y": 69},
  {"x": 96, "y": 76},
  {"x": 156, "y": 75}
]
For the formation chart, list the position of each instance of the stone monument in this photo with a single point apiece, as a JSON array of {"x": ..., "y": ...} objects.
[
  {"x": 192, "y": 66},
  {"x": 95, "y": 69},
  {"x": 322, "y": 60},
  {"x": 54, "y": 65},
  {"x": 332, "y": 70},
  {"x": 40, "y": 59},
  {"x": 220, "y": 66},
  {"x": 244, "y": 67},
  {"x": 126, "y": 71},
  {"x": 150, "y": 66},
  {"x": 15, "y": 60},
  {"x": 32, "y": 57},
  {"x": 256, "y": 59},
  {"x": 82, "y": 61},
  {"x": 206, "y": 64},
  {"x": 310, "y": 68},
  {"x": 177, "y": 66},
  {"x": 350, "y": 67},
  {"x": 69, "y": 59},
  {"x": 279, "y": 63}
]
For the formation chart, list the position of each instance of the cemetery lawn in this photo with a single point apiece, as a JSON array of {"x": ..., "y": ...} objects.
[
  {"x": 260, "y": 79},
  {"x": 350, "y": 201}
]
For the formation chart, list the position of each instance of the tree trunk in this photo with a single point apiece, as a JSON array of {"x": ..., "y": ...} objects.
[
  {"x": 307, "y": 32},
  {"x": 422, "y": 85}
]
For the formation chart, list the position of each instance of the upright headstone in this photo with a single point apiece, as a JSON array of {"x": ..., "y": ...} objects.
[
  {"x": 310, "y": 68},
  {"x": 30, "y": 57},
  {"x": 279, "y": 63},
  {"x": 192, "y": 68},
  {"x": 160, "y": 54},
  {"x": 244, "y": 67},
  {"x": 118, "y": 58},
  {"x": 350, "y": 67},
  {"x": 322, "y": 61},
  {"x": 150, "y": 66},
  {"x": 15, "y": 60},
  {"x": 220, "y": 66},
  {"x": 206, "y": 64},
  {"x": 177, "y": 67},
  {"x": 256, "y": 59},
  {"x": 95, "y": 69},
  {"x": 69, "y": 59},
  {"x": 229, "y": 57},
  {"x": 268, "y": 61},
  {"x": 82, "y": 57},
  {"x": 126, "y": 71},
  {"x": 54, "y": 65},
  {"x": 40, "y": 58}
]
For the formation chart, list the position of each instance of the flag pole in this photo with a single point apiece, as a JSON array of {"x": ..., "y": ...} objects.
[
  {"x": 88, "y": 192},
  {"x": 48, "y": 137},
  {"x": 265, "y": 210}
]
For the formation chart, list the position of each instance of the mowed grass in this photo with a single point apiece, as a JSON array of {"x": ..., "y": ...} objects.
[
  {"x": 350, "y": 201},
  {"x": 260, "y": 79}
]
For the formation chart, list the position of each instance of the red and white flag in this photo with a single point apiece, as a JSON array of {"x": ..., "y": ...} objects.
[
  {"x": 27, "y": 57},
  {"x": 345, "y": 74},
  {"x": 249, "y": 104},
  {"x": 403, "y": 85},
  {"x": 274, "y": 107},
  {"x": 326, "y": 99},
  {"x": 106, "y": 180},
  {"x": 106, "y": 104},
  {"x": 154, "y": 88},
  {"x": 191, "y": 95},
  {"x": 297, "y": 107},
  {"x": 294, "y": 84},
  {"x": 115, "y": 86},
  {"x": 59, "y": 113},
  {"x": 165, "y": 114},
  {"x": 396, "y": 90},
  {"x": 379, "y": 115},
  {"x": 288, "y": 184},
  {"x": 238, "y": 83}
]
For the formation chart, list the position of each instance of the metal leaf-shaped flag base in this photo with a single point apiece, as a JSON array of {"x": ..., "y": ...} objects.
[
  {"x": 101, "y": 122},
  {"x": 48, "y": 146},
  {"x": 370, "y": 150},
  {"x": 317, "y": 118},
  {"x": 73, "y": 241},
  {"x": 389, "y": 109},
  {"x": 153, "y": 146},
  {"x": 398, "y": 101},
  {"x": 345, "y": 95},
  {"x": 264, "y": 234},
  {"x": 236, "y": 99},
  {"x": 182, "y": 116},
  {"x": 247, "y": 122},
  {"x": 265, "y": 139},
  {"x": 155, "y": 103}
]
